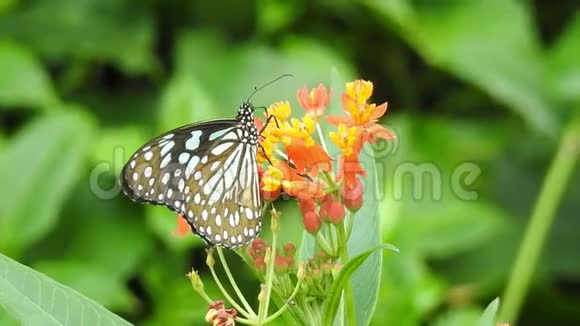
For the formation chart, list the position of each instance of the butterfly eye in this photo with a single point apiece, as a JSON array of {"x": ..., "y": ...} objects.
[{"x": 207, "y": 172}]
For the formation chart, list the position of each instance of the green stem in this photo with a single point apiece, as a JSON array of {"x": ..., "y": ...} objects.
[
  {"x": 350, "y": 313},
  {"x": 349, "y": 223},
  {"x": 555, "y": 182},
  {"x": 331, "y": 241},
  {"x": 234, "y": 284},
  {"x": 323, "y": 244},
  {"x": 226, "y": 294},
  {"x": 285, "y": 306},
  {"x": 244, "y": 321},
  {"x": 263, "y": 310},
  {"x": 205, "y": 297}
]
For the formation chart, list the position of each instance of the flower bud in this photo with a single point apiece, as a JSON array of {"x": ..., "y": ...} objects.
[
  {"x": 326, "y": 268},
  {"x": 336, "y": 212},
  {"x": 289, "y": 249},
  {"x": 281, "y": 264},
  {"x": 352, "y": 195},
  {"x": 325, "y": 206},
  {"x": 306, "y": 205},
  {"x": 209, "y": 260},
  {"x": 258, "y": 248},
  {"x": 196, "y": 281},
  {"x": 311, "y": 222},
  {"x": 259, "y": 263},
  {"x": 316, "y": 274}
]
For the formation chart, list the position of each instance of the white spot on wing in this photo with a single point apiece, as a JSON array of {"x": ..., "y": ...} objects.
[
  {"x": 165, "y": 178},
  {"x": 191, "y": 166},
  {"x": 167, "y": 147},
  {"x": 183, "y": 157},
  {"x": 193, "y": 142},
  {"x": 219, "y": 149},
  {"x": 165, "y": 161},
  {"x": 218, "y": 133}
]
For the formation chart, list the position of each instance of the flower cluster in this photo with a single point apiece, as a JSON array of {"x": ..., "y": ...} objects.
[
  {"x": 283, "y": 262},
  {"x": 321, "y": 271},
  {"x": 294, "y": 160},
  {"x": 306, "y": 170}
]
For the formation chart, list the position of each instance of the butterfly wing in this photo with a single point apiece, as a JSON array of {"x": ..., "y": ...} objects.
[{"x": 207, "y": 172}]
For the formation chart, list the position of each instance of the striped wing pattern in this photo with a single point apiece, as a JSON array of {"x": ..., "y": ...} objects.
[{"x": 207, "y": 172}]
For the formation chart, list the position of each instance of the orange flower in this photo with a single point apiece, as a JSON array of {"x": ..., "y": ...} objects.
[
  {"x": 349, "y": 141},
  {"x": 182, "y": 228},
  {"x": 283, "y": 177},
  {"x": 361, "y": 114},
  {"x": 315, "y": 101}
]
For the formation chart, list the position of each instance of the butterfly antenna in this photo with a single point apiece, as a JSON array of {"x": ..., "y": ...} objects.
[{"x": 256, "y": 89}]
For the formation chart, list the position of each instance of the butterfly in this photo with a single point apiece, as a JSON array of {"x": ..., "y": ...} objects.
[{"x": 207, "y": 172}]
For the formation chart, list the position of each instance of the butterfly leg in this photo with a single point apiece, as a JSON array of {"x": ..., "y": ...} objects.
[{"x": 270, "y": 118}]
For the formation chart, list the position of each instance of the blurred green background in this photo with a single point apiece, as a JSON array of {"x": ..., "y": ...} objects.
[{"x": 489, "y": 82}]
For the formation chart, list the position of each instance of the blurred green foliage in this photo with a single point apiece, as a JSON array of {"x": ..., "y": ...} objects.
[{"x": 490, "y": 82}]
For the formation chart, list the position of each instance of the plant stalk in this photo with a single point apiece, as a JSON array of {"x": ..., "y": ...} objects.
[
  {"x": 349, "y": 312},
  {"x": 543, "y": 215}
]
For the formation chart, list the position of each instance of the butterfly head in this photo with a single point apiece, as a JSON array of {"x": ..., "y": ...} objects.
[{"x": 246, "y": 113}]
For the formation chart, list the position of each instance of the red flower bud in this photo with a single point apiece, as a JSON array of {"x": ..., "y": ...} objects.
[
  {"x": 258, "y": 248},
  {"x": 325, "y": 206},
  {"x": 281, "y": 264},
  {"x": 259, "y": 263},
  {"x": 352, "y": 195},
  {"x": 289, "y": 249},
  {"x": 336, "y": 212},
  {"x": 311, "y": 222},
  {"x": 306, "y": 205}
]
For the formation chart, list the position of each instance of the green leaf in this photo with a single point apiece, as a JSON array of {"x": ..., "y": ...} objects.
[
  {"x": 118, "y": 32},
  {"x": 92, "y": 279},
  {"x": 489, "y": 315},
  {"x": 23, "y": 82},
  {"x": 42, "y": 163},
  {"x": 185, "y": 101},
  {"x": 116, "y": 145},
  {"x": 459, "y": 316},
  {"x": 335, "y": 293},
  {"x": 6, "y": 5},
  {"x": 500, "y": 55},
  {"x": 457, "y": 227},
  {"x": 564, "y": 63},
  {"x": 35, "y": 299}
]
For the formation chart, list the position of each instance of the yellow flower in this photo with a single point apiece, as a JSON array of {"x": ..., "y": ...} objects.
[
  {"x": 300, "y": 129},
  {"x": 359, "y": 90},
  {"x": 272, "y": 179},
  {"x": 345, "y": 138},
  {"x": 281, "y": 110}
]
